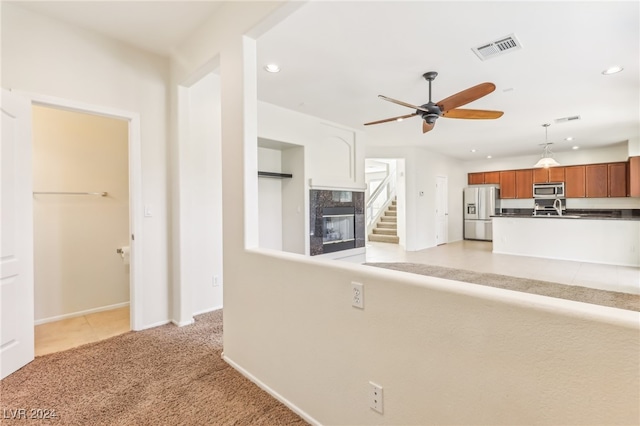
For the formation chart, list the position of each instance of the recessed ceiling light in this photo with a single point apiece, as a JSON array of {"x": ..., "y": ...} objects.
[
  {"x": 569, "y": 138},
  {"x": 473, "y": 150},
  {"x": 575, "y": 147},
  {"x": 488, "y": 156},
  {"x": 272, "y": 68},
  {"x": 399, "y": 119},
  {"x": 612, "y": 70}
]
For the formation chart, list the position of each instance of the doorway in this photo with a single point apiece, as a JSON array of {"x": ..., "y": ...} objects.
[
  {"x": 81, "y": 227},
  {"x": 442, "y": 210}
]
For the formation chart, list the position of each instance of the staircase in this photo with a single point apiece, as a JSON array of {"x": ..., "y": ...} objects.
[{"x": 386, "y": 230}]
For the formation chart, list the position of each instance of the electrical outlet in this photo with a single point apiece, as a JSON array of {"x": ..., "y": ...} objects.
[
  {"x": 357, "y": 295},
  {"x": 215, "y": 281},
  {"x": 375, "y": 397}
]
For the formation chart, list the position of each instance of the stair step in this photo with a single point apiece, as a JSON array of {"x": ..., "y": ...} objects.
[
  {"x": 390, "y": 213},
  {"x": 383, "y": 231},
  {"x": 388, "y": 219},
  {"x": 384, "y": 238},
  {"x": 387, "y": 225},
  {"x": 392, "y": 208}
]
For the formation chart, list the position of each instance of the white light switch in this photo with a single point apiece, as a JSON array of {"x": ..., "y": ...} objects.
[{"x": 147, "y": 211}]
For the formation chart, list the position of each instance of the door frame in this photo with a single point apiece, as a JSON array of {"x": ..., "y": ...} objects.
[
  {"x": 135, "y": 186},
  {"x": 441, "y": 193}
]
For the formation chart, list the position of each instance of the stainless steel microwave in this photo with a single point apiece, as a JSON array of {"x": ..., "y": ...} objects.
[{"x": 548, "y": 190}]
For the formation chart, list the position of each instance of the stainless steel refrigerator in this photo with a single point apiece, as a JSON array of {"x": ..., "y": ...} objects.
[{"x": 480, "y": 202}]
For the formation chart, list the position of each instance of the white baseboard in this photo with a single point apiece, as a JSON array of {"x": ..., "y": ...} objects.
[
  {"x": 80, "y": 313},
  {"x": 155, "y": 324},
  {"x": 183, "y": 323},
  {"x": 271, "y": 392},
  {"x": 204, "y": 311}
]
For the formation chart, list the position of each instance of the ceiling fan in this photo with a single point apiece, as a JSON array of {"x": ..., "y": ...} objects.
[{"x": 448, "y": 107}]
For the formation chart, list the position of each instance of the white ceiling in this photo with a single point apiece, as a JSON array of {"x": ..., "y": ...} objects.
[{"x": 336, "y": 57}]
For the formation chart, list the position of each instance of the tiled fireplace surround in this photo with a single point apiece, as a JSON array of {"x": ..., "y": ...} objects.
[{"x": 326, "y": 202}]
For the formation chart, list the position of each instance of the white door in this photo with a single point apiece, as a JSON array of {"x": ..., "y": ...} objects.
[
  {"x": 442, "y": 210},
  {"x": 16, "y": 235}
]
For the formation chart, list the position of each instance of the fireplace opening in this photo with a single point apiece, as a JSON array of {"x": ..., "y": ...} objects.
[
  {"x": 336, "y": 221},
  {"x": 338, "y": 229}
]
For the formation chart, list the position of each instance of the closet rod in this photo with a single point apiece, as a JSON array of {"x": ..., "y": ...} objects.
[{"x": 101, "y": 194}]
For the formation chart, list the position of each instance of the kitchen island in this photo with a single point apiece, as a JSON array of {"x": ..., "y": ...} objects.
[{"x": 584, "y": 238}]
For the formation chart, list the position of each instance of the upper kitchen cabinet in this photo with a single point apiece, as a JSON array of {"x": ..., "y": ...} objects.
[
  {"x": 596, "y": 180},
  {"x": 574, "y": 181},
  {"x": 483, "y": 178},
  {"x": 617, "y": 178},
  {"x": 492, "y": 177},
  {"x": 634, "y": 177},
  {"x": 524, "y": 183},
  {"x": 551, "y": 174},
  {"x": 508, "y": 184},
  {"x": 475, "y": 178}
]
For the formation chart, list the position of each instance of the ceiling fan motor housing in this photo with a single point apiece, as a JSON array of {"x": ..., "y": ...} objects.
[{"x": 433, "y": 113}]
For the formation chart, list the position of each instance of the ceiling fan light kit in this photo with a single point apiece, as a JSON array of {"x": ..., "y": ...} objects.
[{"x": 447, "y": 108}]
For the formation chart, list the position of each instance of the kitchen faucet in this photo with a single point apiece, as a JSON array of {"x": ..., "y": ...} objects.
[{"x": 558, "y": 207}]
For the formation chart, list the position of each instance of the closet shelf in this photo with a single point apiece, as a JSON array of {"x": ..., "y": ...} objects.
[{"x": 275, "y": 175}]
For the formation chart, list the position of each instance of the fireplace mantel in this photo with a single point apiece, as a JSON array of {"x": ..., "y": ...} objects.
[{"x": 337, "y": 185}]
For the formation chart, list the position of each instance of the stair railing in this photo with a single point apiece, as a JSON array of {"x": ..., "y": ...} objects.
[{"x": 380, "y": 199}]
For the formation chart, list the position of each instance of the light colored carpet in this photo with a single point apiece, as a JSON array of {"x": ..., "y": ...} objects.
[
  {"x": 167, "y": 375},
  {"x": 562, "y": 291}
]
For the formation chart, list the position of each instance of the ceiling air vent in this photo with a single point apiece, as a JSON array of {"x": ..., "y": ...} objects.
[
  {"x": 498, "y": 47},
  {"x": 567, "y": 119}
]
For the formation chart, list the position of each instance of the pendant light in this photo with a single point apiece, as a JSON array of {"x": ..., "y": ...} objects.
[{"x": 546, "y": 160}]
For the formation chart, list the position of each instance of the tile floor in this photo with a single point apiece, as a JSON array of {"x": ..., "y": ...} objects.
[
  {"x": 68, "y": 333},
  {"x": 477, "y": 256}
]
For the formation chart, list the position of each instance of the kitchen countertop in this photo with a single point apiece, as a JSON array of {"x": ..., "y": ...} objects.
[{"x": 622, "y": 214}]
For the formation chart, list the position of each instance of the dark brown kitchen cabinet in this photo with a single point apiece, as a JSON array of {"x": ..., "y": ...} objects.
[
  {"x": 479, "y": 178},
  {"x": 574, "y": 181},
  {"x": 634, "y": 177},
  {"x": 551, "y": 174},
  {"x": 556, "y": 174},
  {"x": 540, "y": 175},
  {"x": 508, "y": 184},
  {"x": 596, "y": 180},
  {"x": 617, "y": 178},
  {"x": 524, "y": 183},
  {"x": 492, "y": 177},
  {"x": 475, "y": 178}
]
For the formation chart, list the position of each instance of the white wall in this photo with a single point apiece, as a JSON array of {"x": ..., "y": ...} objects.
[
  {"x": 201, "y": 197},
  {"x": 270, "y": 199},
  {"x": 319, "y": 154},
  {"x": 634, "y": 147},
  {"x": 295, "y": 199},
  {"x": 334, "y": 154},
  {"x": 444, "y": 352},
  {"x": 617, "y": 152},
  {"x": 76, "y": 266},
  {"x": 422, "y": 168},
  {"x": 44, "y": 56}
]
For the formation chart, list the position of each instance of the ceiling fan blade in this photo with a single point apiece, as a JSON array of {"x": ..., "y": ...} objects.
[
  {"x": 395, "y": 101},
  {"x": 402, "y": 117},
  {"x": 466, "y": 96},
  {"x": 426, "y": 126},
  {"x": 477, "y": 114}
]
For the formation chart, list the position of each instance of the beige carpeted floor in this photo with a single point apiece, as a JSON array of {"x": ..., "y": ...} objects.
[
  {"x": 545, "y": 288},
  {"x": 167, "y": 375}
]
